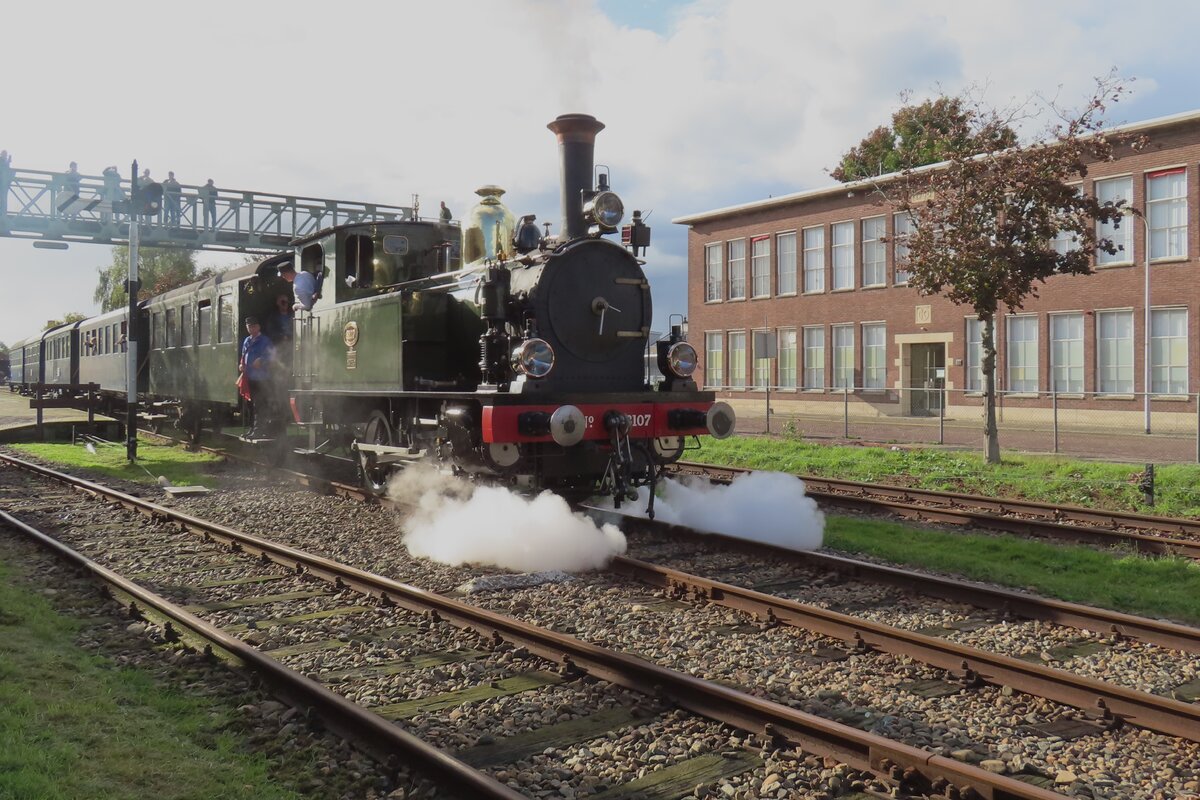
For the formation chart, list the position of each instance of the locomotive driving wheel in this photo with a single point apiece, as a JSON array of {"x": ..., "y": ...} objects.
[{"x": 378, "y": 431}]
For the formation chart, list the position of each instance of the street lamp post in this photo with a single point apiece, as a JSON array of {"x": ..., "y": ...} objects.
[{"x": 1146, "y": 343}]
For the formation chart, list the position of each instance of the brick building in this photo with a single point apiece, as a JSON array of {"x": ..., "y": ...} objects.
[{"x": 821, "y": 273}]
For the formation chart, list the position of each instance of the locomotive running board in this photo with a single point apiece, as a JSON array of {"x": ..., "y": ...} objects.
[{"x": 385, "y": 454}]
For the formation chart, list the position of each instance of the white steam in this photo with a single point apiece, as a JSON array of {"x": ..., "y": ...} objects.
[
  {"x": 455, "y": 522},
  {"x": 768, "y": 507}
]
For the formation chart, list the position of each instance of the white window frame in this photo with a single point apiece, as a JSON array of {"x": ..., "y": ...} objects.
[
  {"x": 1169, "y": 353},
  {"x": 786, "y": 365},
  {"x": 902, "y": 227},
  {"x": 785, "y": 263},
  {"x": 1066, "y": 241},
  {"x": 973, "y": 371},
  {"x": 709, "y": 352},
  {"x": 874, "y": 266},
  {"x": 1167, "y": 215},
  {"x": 760, "y": 370},
  {"x": 843, "y": 356},
  {"x": 842, "y": 237},
  {"x": 1021, "y": 355},
  {"x": 814, "y": 358},
  {"x": 714, "y": 271},
  {"x": 874, "y": 356},
  {"x": 737, "y": 268},
  {"x": 1119, "y": 187},
  {"x": 1067, "y": 357},
  {"x": 760, "y": 266},
  {"x": 1125, "y": 356},
  {"x": 736, "y": 374},
  {"x": 814, "y": 260}
]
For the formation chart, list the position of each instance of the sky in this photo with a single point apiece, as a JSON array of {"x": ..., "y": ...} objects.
[{"x": 707, "y": 103}]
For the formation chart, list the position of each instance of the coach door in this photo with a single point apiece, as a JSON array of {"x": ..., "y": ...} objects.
[{"x": 927, "y": 379}]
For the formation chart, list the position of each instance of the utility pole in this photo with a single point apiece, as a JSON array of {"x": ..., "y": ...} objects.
[{"x": 131, "y": 338}]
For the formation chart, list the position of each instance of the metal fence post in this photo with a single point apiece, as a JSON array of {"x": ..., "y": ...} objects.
[
  {"x": 1054, "y": 401},
  {"x": 1198, "y": 427},
  {"x": 846, "y": 413},
  {"x": 942, "y": 418}
]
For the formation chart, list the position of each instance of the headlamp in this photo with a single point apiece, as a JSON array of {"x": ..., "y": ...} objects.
[
  {"x": 533, "y": 357},
  {"x": 681, "y": 359},
  {"x": 606, "y": 210}
]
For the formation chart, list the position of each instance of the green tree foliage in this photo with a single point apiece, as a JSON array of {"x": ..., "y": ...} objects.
[
  {"x": 3, "y": 350},
  {"x": 984, "y": 224},
  {"x": 923, "y": 134},
  {"x": 159, "y": 270},
  {"x": 71, "y": 317}
]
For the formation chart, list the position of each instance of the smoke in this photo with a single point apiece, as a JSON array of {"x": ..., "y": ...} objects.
[
  {"x": 454, "y": 522},
  {"x": 768, "y": 507}
]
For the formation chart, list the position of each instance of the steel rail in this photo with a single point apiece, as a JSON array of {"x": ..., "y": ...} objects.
[
  {"x": 1152, "y": 631},
  {"x": 972, "y": 665},
  {"x": 1010, "y": 516},
  {"x": 378, "y": 736},
  {"x": 910, "y": 767}
]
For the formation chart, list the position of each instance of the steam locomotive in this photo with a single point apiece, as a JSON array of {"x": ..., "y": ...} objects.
[{"x": 493, "y": 347}]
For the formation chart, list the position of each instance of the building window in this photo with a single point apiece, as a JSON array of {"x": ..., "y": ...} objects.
[
  {"x": 1166, "y": 204},
  {"x": 843, "y": 255},
  {"x": 1114, "y": 190},
  {"x": 814, "y": 358},
  {"x": 737, "y": 359},
  {"x": 714, "y": 359},
  {"x": 785, "y": 278},
  {"x": 874, "y": 336},
  {"x": 974, "y": 376},
  {"x": 843, "y": 356},
  {"x": 903, "y": 226},
  {"x": 1066, "y": 353},
  {"x": 814, "y": 260},
  {"x": 737, "y": 270},
  {"x": 1066, "y": 240},
  {"x": 1168, "y": 351},
  {"x": 760, "y": 266},
  {"x": 762, "y": 364},
  {"x": 787, "y": 358},
  {"x": 874, "y": 252},
  {"x": 1114, "y": 352},
  {"x": 712, "y": 273},
  {"x": 1023, "y": 354}
]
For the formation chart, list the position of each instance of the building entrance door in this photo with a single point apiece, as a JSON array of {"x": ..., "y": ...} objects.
[{"x": 927, "y": 379}]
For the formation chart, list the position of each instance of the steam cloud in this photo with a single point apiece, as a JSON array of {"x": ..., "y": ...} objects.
[
  {"x": 454, "y": 522},
  {"x": 768, "y": 507}
]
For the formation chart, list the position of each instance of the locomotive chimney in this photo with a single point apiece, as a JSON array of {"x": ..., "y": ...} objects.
[{"x": 577, "y": 143}]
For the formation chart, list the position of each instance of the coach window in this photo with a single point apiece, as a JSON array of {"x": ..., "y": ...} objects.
[
  {"x": 225, "y": 317},
  {"x": 156, "y": 330},
  {"x": 204, "y": 315},
  {"x": 172, "y": 337},
  {"x": 185, "y": 326},
  {"x": 359, "y": 252},
  {"x": 124, "y": 337}
]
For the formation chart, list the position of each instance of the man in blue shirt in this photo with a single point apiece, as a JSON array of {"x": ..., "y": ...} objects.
[
  {"x": 257, "y": 356},
  {"x": 304, "y": 285}
]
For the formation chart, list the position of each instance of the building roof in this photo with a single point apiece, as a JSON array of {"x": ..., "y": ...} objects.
[{"x": 838, "y": 188}]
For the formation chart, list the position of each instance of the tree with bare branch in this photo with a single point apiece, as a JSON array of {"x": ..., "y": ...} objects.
[{"x": 984, "y": 222}]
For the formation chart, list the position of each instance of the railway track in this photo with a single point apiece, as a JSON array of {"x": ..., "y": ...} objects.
[
  {"x": 1142, "y": 533},
  {"x": 905, "y": 768},
  {"x": 964, "y": 666}
]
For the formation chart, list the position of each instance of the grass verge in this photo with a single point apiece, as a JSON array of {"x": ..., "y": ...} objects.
[
  {"x": 1154, "y": 587},
  {"x": 180, "y": 467},
  {"x": 1095, "y": 484},
  {"x": 75, "y": 724}
]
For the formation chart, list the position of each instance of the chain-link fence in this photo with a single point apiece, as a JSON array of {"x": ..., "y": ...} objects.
[{"x": 1127, "y": 427}]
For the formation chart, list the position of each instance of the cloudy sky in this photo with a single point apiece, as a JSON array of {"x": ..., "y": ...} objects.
[{"x": 707, "y": 103}]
